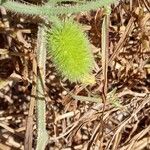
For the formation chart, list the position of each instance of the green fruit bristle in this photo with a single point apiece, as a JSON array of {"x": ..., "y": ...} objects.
[{"x": 70, "y": 51}]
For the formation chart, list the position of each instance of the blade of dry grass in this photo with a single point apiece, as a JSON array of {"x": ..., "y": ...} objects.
[
  {"x": 29, "y": 124},
  {"x": 105, "y": 47}
]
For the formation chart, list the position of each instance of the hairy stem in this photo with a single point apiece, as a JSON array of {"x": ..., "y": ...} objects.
[
  {"x": 23, "y": 8},
  {"x": 40, "y": 105},
  {"x": 51, "y": 9}
]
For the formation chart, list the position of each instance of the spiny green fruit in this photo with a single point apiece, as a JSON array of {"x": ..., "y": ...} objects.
[{"x": 70, "y": 51}]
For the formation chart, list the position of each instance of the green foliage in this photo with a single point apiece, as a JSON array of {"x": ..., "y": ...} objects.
[{"x": 70, "y": 51}]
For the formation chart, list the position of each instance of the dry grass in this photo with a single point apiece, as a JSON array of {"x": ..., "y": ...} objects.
[{"x": 73, "y": 124}]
